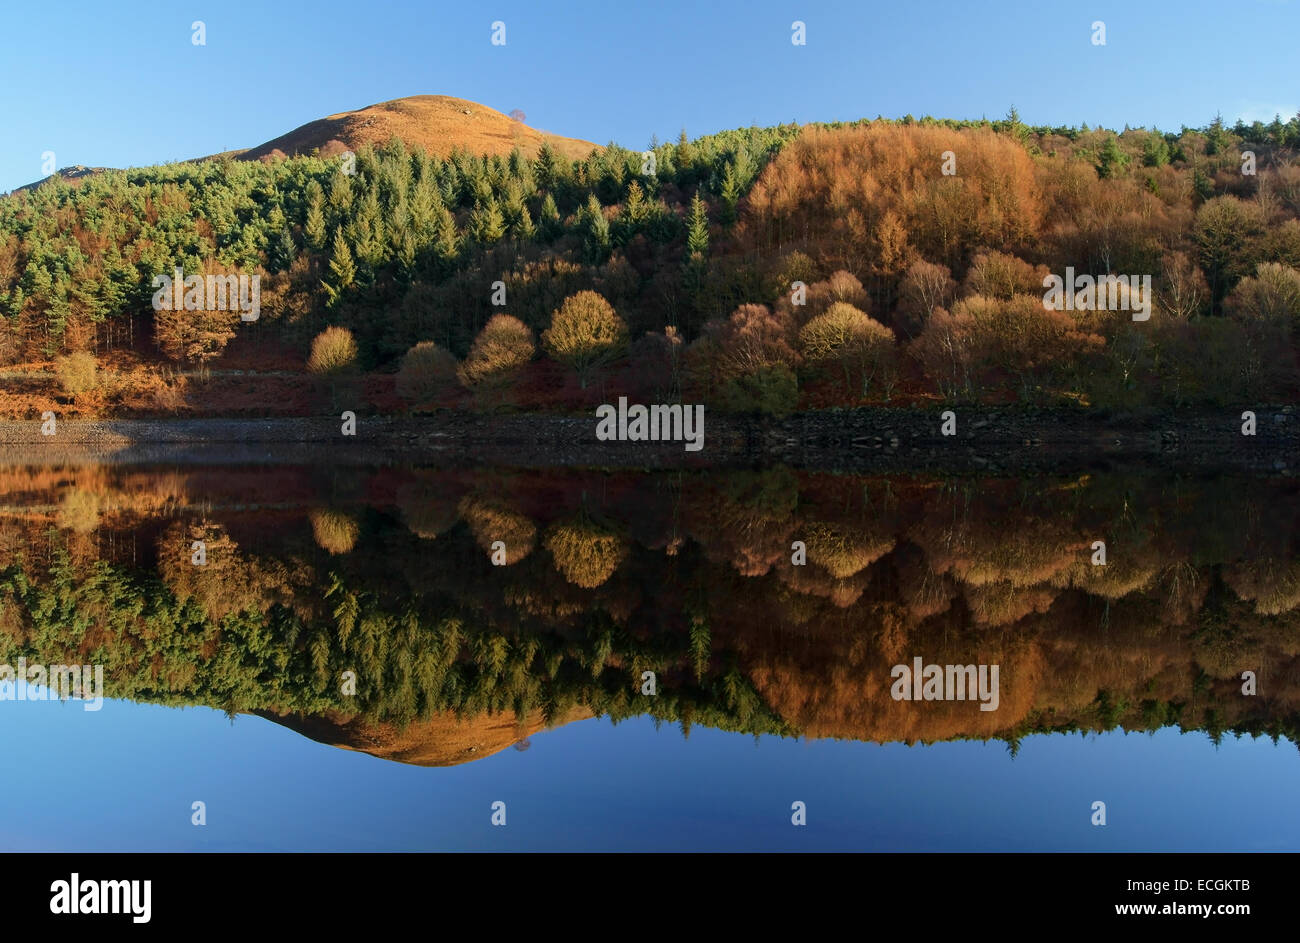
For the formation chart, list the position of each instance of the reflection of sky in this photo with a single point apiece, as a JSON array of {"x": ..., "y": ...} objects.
[{"x": 124, "y": 779}]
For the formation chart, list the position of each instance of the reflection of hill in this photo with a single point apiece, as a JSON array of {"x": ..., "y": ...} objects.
[
  {"x": 691, "y": 577},
  {"x": 444, "y": 740}
]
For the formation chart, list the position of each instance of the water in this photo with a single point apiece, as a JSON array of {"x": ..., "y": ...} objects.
[{"x": 228, "y": 684}]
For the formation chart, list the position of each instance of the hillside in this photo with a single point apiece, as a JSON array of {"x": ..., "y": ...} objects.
[
  {"x": 437, "y": 123},
  {"x": 917, "y": 285}
]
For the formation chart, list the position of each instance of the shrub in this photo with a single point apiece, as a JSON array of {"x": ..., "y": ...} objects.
[{"x": 332, "y": 352}]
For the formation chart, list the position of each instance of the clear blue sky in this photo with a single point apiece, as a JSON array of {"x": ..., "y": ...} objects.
[{"x": 121, "y": 84}]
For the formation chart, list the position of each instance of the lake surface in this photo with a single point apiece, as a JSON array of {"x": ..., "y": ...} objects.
[{"x": 372, "y": 659}]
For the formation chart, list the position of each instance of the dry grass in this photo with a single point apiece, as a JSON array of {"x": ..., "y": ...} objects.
[{"x": 437, "y": 123}]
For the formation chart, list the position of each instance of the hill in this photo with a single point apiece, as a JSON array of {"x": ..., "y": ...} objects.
[{"x": 437, "y": 123}]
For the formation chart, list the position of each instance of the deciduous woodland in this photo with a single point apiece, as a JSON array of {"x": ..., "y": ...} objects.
[{"x": 546, "y": 283}]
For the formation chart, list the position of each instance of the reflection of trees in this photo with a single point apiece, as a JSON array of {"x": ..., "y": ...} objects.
[
  {"x": 491, "y": 520},
  {"x": 738, "y": 637},
  {"x": 79, "y": 510},
  {"x": 427, "y": 509},
  {"x": 228, "y": 582},
  {"x": 844, "y": 552},
  {"x": 749, "y": 521},
  {"x": 335, "y": 531},
  {"x": 586, "y": 553},
  {"x": 1272, "y": 585}
]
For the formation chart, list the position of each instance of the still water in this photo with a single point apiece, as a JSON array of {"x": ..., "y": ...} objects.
[{"x": 396, "y": 658}]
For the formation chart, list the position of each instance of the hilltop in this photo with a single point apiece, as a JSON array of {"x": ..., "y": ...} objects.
[{"x": 437, "y": 124}]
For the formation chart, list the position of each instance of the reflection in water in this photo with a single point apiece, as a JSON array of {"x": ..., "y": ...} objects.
[{"x": 477, "y": 608}]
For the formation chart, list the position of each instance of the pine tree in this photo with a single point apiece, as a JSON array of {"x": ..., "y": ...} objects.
[
  {"x": 636, "y": 210},
  {"x": 523, "y": 228},
  {"x": 597, "y": 230},
  {"x": 545, "y": 167},
  {"x": 486, "y": 223},
  {"x": 1112, "y": 160},
  {"x": 697, "y": 236},
  {"x": 426, "y": 204},
  {"x": 446, "y": 242},
  {"x": 730, "y": 193},
  {"x": 344, "y": 269},
  {"x": 341, "y": 194},
  {"x": 315, "y": 227},
  {"x": 685, "y": 155},
  {"x": 406, "y": 253},
  {"x": 282, "y": 251}
]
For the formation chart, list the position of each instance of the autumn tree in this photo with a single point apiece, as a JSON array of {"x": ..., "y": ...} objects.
[
  {"x": 749, "y": 358},
  {"x": 585, "y": 333},
  {"x": 503, "y": 346},
  {"x": 194, "y": 336},
  {"x": 1183, "y": 292},
  {"x": 926, "y": 287},
  {"x": 860, "y": 346},
  {"x": 1271, "y": 296},
  {"x": 585, "y": 553},
  {"x": 1001, "y": 275},
  {"x": 945, "y": 349},
  {"x": 335, "y": 531}
]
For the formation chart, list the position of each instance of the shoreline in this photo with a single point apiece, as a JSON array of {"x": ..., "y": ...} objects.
[{"x": 987, "y": 440}]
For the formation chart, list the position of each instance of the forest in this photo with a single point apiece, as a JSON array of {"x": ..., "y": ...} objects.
[
  {"x": 759, "y": 270},
  {"x": 387, "y": 573}
]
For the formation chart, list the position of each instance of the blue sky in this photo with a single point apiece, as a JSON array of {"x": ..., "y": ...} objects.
[
  {"x": 137, "y": 769},
  {"x": 122, "y": 84}
]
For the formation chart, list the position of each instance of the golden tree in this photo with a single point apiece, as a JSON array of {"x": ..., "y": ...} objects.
[{"x": 585, "y": 333}]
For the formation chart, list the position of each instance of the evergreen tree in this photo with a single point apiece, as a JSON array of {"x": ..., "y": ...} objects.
[
  {"x": 522, "y": 228},
  {"x": 1112, "y": 160},
  {"x": 545, "y": 169},
  {"x": 730, "y": 193},
  {"x": 446, "y": 242},
  {"x": 597, "y": 231},
  {"x": 550, "y": 225},
  {"x": 697, "y": 236},
  {"x": 486, "y": 223},
  {"x": 282, "y": 251},
  {"x": 341, "y": 194},
  {"x": 685, "y": 154},
  {"x": 342, "y": 267},
  {"x": 314, "y": 230}
]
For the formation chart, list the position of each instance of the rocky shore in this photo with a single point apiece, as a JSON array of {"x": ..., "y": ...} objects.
[{"x": 987, "y": 440}]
